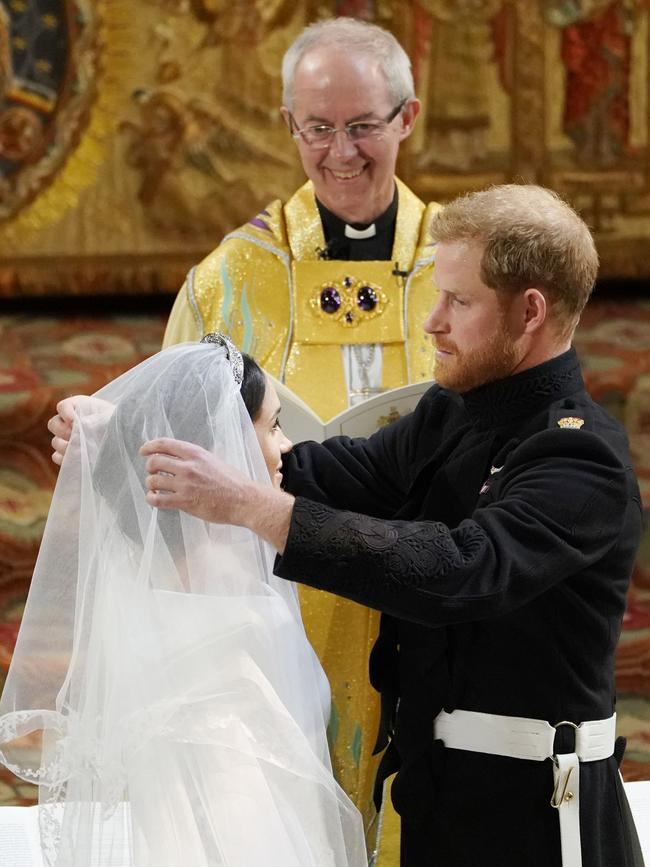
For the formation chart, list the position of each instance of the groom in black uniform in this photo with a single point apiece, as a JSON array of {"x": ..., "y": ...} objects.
[{"x": 495, "y": 528}]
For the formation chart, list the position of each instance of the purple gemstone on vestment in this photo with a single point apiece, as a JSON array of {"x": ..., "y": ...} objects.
[
  {"x": 347, "y": 282},
  {"x": 366, "y": 298},
  {"x": 349, "y": 316},
  {"x": 330, "y": 300}
]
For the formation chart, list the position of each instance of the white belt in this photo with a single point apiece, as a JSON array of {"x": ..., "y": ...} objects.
[{"x": 532, "y": 739}]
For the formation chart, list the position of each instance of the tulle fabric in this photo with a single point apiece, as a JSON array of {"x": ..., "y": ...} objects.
[{"x": 163, "y": 694}]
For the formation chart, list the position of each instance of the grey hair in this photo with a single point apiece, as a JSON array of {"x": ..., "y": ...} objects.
[{"x": 353, "y": 35}]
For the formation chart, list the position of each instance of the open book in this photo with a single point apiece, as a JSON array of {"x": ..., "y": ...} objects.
[
  {"x": 20, "y": 838},
  {"x": 300, "y": 422}
]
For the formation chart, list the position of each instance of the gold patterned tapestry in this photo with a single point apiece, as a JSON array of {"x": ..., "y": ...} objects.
[{"x": 135, "y": 133}]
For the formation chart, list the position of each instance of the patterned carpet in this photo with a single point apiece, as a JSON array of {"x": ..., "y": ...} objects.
[
  {"x": 44, "y": 357},
  {"x": 614, "y": 344}
]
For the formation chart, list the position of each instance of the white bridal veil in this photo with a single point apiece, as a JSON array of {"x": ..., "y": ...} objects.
[{"x": 163, "y": 694}]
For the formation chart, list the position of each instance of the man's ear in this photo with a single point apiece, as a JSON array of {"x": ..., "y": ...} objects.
[
  {"x": 534, "y": 310},
  {"x": 408, "y": 115},
  {"x": 284, "y": 111}
]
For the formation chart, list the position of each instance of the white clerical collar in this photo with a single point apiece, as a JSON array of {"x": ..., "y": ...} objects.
[{"x": 360, "y": 234}]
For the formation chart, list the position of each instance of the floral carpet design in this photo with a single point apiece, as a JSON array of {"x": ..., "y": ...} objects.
[
  {"x": 44, "y": 358},
  {"x": 614, "y": 344}
]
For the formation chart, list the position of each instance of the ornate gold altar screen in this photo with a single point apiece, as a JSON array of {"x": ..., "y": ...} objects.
[{"x": 134, "y": 133}]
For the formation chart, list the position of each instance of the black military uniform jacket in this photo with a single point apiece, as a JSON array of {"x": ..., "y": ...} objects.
[{"x": 497, "y": 533}]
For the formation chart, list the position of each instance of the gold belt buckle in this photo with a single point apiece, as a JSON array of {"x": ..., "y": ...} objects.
[{"x": 556, "y": 802}]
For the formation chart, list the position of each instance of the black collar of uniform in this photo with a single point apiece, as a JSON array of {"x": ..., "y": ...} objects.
[
  {"x": 506, "y": 400},
  {"x": 334, "y": 226}
]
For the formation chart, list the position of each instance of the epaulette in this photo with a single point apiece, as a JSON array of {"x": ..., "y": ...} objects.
[{"x": 567, "y": 416}]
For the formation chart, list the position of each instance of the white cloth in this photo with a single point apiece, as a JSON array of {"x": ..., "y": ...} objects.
[{"x": 160, "y": 663}]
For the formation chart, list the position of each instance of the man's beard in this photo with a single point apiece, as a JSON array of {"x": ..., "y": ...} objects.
[{"x": 495, "y": 359}]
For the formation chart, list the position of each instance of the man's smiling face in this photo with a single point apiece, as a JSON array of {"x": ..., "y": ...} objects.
[{"x": 332, "y": 87}]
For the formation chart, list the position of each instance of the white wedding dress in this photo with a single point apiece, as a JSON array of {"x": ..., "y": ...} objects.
[{"x": 163, "y": 694}]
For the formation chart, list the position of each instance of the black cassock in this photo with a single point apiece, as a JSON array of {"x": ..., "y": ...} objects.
[{"x": 497, "y": 533}]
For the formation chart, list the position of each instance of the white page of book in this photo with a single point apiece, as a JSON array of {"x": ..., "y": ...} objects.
[
  {"x": 300, "y": 422},
  {"x": 638, "y": 794},
  {"x": 20, "y": 839},
  {"x": 19, "y": 846}
]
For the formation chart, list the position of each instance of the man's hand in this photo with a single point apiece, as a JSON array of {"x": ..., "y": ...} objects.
[
  {"x": 184, "y": 476},
  {"x": 61, "y": 426}
]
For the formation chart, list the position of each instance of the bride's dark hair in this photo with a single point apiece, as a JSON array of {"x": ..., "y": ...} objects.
[{"x": 253, "y": 387}]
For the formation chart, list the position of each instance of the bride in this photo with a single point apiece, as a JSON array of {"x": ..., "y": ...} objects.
[{"x": 163, "y": 694}]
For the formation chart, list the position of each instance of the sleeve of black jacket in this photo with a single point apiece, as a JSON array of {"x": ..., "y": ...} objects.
[{"x": 562, "y": 505}]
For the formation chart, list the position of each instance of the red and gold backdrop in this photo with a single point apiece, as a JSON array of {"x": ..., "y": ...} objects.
[{"x": 134, "y": 133}]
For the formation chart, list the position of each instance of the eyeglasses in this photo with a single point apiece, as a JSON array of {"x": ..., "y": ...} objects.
[{"x": 321, "y": 135}]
